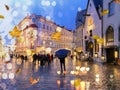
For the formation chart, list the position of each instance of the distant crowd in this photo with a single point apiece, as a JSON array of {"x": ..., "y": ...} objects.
[{"x": 41, "y": 57}]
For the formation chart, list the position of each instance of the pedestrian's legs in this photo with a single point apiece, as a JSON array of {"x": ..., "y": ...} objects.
[
  {"x": 61, "y": 67},
  {"x": 64, "y": 65}
]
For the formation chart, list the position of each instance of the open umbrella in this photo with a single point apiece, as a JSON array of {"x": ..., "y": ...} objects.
[{"x": 62, "y": 53}]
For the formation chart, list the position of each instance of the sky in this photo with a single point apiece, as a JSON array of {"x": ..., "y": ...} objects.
[{"x": 62, "y": 12}]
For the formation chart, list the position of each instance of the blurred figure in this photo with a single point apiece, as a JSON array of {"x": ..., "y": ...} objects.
[
  {"x": 50, "y": 58},
  {"x": 34, "y": 58},
  {"x": 62, "y": 64}
]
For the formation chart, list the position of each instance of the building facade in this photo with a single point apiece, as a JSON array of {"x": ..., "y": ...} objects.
[
  {"x": 111, "y": 30},
  {"x": 78, "y": 33},
  {"x": 91, "y": 29},
  {"x": 37, "y": 32},
  {"x": 2, "y": 50}
]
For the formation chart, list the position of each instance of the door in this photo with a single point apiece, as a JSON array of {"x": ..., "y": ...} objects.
[{"x": 110, "y": 55}]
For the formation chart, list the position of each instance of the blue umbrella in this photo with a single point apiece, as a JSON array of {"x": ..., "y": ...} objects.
[{"x": 62, "y": 53}]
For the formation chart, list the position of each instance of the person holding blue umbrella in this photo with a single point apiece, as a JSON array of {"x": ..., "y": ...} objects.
[{"x": 62, "y": 54}]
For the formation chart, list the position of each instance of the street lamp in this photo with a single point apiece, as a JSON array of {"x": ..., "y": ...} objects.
[
  {"x": 102, "y": 57},
  {"x": 96, "y": 55}
]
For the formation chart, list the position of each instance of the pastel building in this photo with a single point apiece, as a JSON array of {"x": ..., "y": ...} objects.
[
  {"x": 111, "y": 30},
  {"x": 37, "y": 32},
  {"x": 90, "y": 28}
]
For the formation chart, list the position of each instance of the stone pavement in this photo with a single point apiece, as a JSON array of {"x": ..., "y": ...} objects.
[{"x": 99, "y": 77}]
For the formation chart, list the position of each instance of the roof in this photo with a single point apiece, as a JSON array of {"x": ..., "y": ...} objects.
[
  {"x": 80, "y": 18},
  {"x": 98, "y": 3}
]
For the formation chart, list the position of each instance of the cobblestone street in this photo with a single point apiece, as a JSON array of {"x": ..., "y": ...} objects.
[{"x": 99, "y": 77}]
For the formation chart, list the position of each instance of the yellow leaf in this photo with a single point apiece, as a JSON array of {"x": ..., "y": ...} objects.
[
  {"x": 104, "y": 12},
  {"x": 33, "y": 81},
  {"x": 95, "y": 37},
  {"x": 1, "y": 16},
  {"x": 18, "y": 71},
  {"x": 12, "y": 33}
]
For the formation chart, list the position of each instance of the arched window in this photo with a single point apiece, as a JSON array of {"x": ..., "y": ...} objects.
[{"x": 110, "y": 34}]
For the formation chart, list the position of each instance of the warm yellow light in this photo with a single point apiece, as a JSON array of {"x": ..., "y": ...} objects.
[
  {"x": 72, "y": 72},
  {"x": 58, "y": 29},
  {"x": 77, "y": 67},
  {"x": 29, "y": 52},
  {"x": 116, "y": 54},
  {"x": 77, "y": 82},
  {"x": 96, "y": 55},
  {"x": 72, "y": 82},
  {"x": 102, "y": 57},
  {"x": 87, "y": 69},
  {"x": 97, "y": 75},
  {"x": 58, "y": 72}
]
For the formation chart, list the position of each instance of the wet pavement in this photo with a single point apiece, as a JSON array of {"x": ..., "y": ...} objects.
[{"x": 79, "y": 76}]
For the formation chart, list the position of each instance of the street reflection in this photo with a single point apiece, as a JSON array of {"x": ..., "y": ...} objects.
[{"x": 79, "y": 76}]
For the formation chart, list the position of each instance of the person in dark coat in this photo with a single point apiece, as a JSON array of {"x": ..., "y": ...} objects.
[
  {"x": 34, "y": 58},
  {"x": 62, "y": 64},
  {"x": 50, "y": 58}
]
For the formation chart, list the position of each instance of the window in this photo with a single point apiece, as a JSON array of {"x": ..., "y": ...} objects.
[
  {"x": 110, "y": 34},
  {"x": 111, "y": 8},
  {"x": 43, "y": 26},
  {"x": 39, "y": 24}
]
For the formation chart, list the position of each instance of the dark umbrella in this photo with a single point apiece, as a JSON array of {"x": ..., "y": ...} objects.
[{"x": 62, "y": 53}]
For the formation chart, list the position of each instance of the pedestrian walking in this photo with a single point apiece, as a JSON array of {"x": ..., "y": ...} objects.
[{"x": 62, "y": 65}]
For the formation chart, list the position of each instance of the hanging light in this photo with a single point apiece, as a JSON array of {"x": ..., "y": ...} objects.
[
  {"x": 102, "y": 57},
  {"x": 96, "y": 55}
]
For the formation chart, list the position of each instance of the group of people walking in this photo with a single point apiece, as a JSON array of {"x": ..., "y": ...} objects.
[{"x": 43, "y": 58}]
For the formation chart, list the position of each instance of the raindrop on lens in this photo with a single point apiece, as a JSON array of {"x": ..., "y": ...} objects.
[
  {"x": 4, "y": 76},
  {"x": 11, "y": 75}
]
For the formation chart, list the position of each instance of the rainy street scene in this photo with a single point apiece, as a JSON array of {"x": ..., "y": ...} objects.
[{"x": 60, "y": 45}]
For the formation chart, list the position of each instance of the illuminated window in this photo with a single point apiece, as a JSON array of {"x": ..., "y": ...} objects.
[{"x": 110, "y": 34}]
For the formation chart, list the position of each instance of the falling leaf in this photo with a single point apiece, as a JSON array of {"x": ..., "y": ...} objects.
[
  {"x": 1, "y": 16},
  {"x": 7, "y": 7},
  {"x": 100, "y": 41},
  {"x": 104, "y": 12},
  {"x": 33, "y": 81},
  {"x": 56, "y": 36},
  {"x": 12, "y": 34},
  {"x": 18, "y": 71},
  {"x": 95, "y": 37},
  {"x": 15, "y": 32}
]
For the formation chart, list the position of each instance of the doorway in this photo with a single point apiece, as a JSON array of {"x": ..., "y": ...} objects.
[{"x": 110, "y": 55}]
